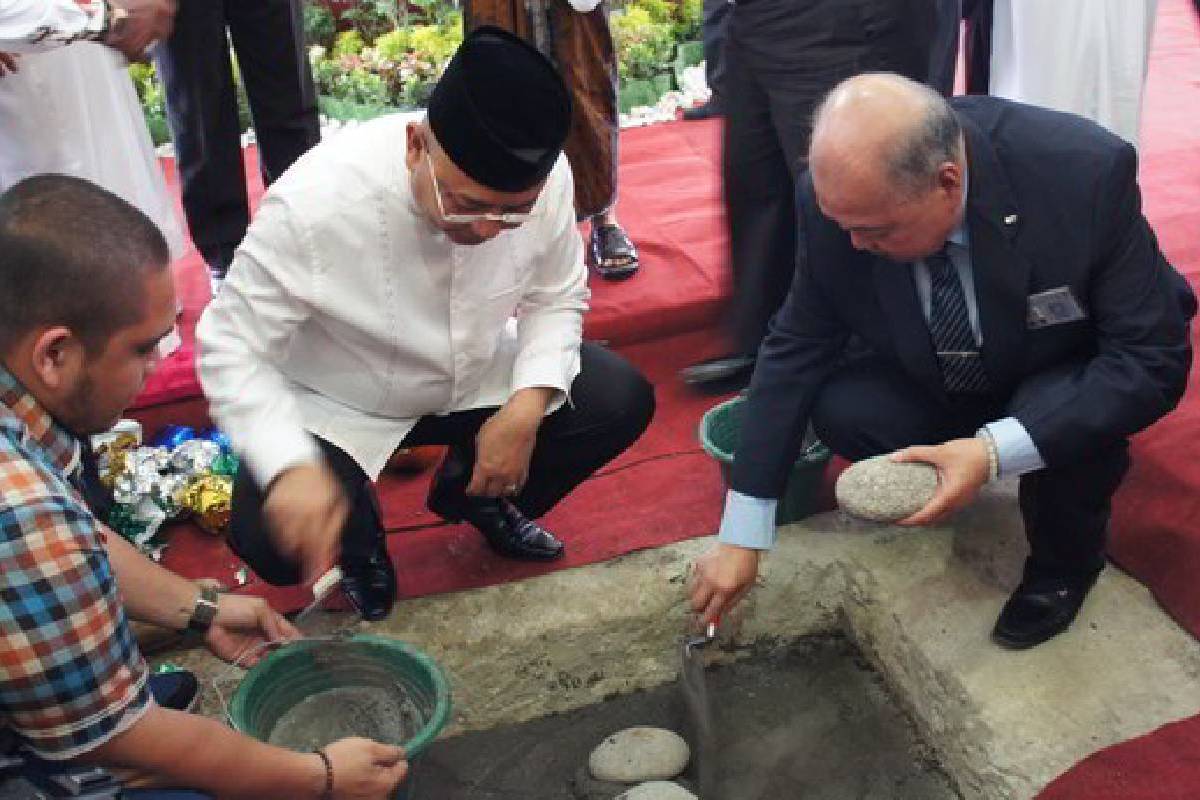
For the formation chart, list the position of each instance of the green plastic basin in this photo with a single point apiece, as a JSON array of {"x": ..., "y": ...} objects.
[
  {"x": 307, "y": 667},
  {"x": 720, "y": 432}
]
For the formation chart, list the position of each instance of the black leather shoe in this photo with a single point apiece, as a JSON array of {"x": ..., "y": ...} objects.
[
  {"x": 370, "y": 584},
  {"x": 726, "y": 370},
  {"x": 702, "y": 111},
  {"x": 509, "y": 532},
  {"x": 1040, "y": 609}
]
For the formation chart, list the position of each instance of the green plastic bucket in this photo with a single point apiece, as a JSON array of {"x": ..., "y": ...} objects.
[
  {"x": 308, "y": 667},
  {"x": 720, "y": 432}
]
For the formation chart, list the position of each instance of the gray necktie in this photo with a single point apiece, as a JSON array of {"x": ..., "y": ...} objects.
[{"x": 950, "y": 328}]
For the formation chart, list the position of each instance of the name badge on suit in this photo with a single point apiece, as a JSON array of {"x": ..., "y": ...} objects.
[{"x": 1054, "y": 307}]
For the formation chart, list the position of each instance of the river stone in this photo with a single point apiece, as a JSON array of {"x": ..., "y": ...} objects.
[
  {"x": 882, "y": 490},
  {"x": 639, "y": 754},
  {"x": 657, "y": 790}
]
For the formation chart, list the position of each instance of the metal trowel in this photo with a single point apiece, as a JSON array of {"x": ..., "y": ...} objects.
[
  {"x": 321, "y": 590},
  {"x": 693, "y": 684}
]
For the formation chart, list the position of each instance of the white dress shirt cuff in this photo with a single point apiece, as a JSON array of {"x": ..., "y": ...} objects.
[
  {"x": 545, "y": 372},
  {"x": 748, "y": 521},
  {"x": 1014, "y": 447},
  {"x": 271, "y": 449}
]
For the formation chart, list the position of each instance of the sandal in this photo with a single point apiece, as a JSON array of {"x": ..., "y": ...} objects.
[{"x": 613, "y": 254}]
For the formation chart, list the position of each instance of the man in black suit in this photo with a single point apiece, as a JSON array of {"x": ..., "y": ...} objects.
[{"x": 1012, "y": 315}]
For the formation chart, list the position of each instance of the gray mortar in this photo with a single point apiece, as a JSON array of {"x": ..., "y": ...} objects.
[{"x": 919, "y": 604}]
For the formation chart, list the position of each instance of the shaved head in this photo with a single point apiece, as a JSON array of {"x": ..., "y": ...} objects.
[{"x": 883, "y": 149}]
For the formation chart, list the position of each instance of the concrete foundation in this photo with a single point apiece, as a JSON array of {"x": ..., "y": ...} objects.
[{"x": 919, "y": 603}]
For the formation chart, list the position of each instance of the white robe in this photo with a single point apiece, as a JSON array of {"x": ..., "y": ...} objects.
[
  {"x": 1088, "y": 57},
  {"x": 72, "y": 109},
  {"x": 348, "y": 315}
]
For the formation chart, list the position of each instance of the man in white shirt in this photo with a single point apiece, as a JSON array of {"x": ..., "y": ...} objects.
[{"x": 417, "y": 281}]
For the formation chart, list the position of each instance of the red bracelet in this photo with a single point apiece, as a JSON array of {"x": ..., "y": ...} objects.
[{"x": 327, "y": 794}]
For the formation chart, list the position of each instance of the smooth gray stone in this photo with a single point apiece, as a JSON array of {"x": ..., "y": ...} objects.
[
  {"x": 657, "y": 790},
  {"x": 639, "y": 754},
  {"x": 880, "y": 490}
]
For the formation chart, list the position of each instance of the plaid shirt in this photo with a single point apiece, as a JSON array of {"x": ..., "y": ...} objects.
[{"x": 71, "y": 676}]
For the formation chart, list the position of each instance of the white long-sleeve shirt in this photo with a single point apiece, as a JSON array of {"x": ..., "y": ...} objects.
[
  {"x": 348, "y": 315},
  {"x": 30, "y": 26}
]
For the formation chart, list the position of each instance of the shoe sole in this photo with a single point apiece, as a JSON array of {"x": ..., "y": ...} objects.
[
  {"x": 1016, "y": 643},
  {"x": 617, "y": 273}
]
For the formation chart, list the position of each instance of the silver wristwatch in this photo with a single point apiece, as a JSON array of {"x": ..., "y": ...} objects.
[{"x": 204, "y": 612}]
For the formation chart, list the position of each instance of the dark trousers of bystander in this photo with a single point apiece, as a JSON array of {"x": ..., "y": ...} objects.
[
  {"x": 202, "y": 109},
  {"x": 782, "y": 57},
  {"x": 714, "y": 32}
]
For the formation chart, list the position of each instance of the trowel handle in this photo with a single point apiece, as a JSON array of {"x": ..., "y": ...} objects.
[{"x": 326, "y": 583}]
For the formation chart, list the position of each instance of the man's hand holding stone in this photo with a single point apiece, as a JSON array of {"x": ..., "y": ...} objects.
[
  {"x": 306, "y": 511},
  {"x": 505, "y": 443},
  {"x": 720, "y": 578},
  {"x": 962, "y": 466}
]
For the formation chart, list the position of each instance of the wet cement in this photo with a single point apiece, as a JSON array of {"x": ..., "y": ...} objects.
[
  {"x": 384, "y": 714},
  {"x": 809, "y": 720}
]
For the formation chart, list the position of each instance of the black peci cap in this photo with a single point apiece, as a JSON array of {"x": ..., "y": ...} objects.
[{"x": 500, "y": 111}]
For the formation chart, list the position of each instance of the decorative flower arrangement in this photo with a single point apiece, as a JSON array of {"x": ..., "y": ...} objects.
[{"x": 388, "y": 55}]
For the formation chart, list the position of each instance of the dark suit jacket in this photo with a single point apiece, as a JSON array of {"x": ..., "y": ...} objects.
[{"x": 1053, "y": 201}]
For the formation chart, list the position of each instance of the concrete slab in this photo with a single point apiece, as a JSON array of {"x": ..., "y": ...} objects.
[{"x": 919, "y": 603}]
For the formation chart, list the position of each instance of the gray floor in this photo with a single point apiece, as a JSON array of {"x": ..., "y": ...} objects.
[{"x": 810, "y": 720}]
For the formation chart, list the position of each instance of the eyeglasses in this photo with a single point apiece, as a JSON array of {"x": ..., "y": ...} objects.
[{"x": 466, "y": 219}]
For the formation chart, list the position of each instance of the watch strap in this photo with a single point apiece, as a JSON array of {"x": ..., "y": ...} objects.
[{"x": 204, "y": 611}]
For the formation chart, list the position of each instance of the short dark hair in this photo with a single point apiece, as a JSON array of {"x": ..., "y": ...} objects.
[{"x": 73, "y": 254}]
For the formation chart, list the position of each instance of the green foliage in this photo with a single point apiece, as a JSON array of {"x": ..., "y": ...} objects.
[
  {"x": 393, "y": 45},
  {"x": 691, "y": 20},
  {"x": 348, "y": 43},
  {"x": 438, "y": 12},
  {"x": 660, "y": 11},
  {"x": 644, "y": 47},
  {"x": 398, "y": 70},
  {"x": 319, "y": 25},
  {"x": 153, "y": 99},
  {"x": 373, "y": 18},
  {"x": 435, "y": 43}
]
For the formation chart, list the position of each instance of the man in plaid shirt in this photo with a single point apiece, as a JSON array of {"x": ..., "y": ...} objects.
[{"x": 86, "y": 299}]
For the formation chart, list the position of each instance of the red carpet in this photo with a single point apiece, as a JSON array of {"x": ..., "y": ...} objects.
[
  {"x": 1162, "y": 765},
  {"x": 665, "y": 489}
]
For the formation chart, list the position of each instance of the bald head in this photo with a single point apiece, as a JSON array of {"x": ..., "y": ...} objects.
[
  {"x": 884, "y": 150},
  {"x": 890, "y": 126}
]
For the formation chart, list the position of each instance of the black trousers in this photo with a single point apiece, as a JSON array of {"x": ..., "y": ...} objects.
[
  {"x": 943, "y": 56},
  {"x": 868, "y": 408},
  {"x": 782, "y": 57},
  {"x": 977, "y": 45},
  {"x": 611, "y": 405},
  {"x": 194, "y": 64},
  {"x": 714, "y": 32}
]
